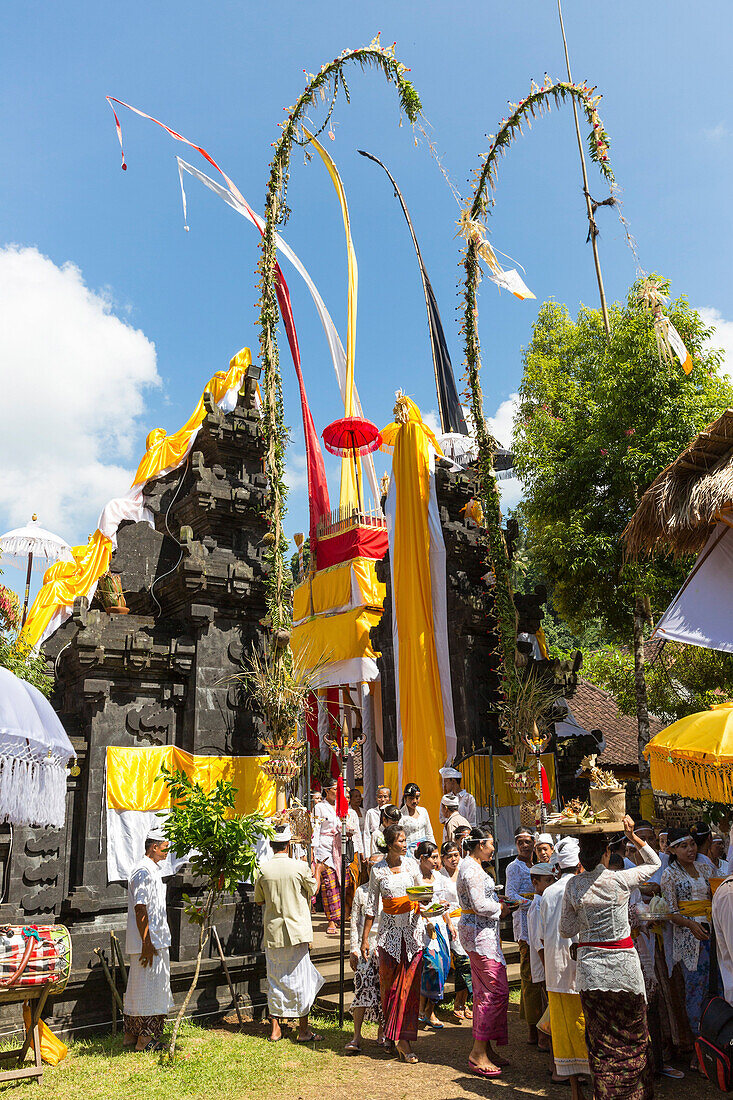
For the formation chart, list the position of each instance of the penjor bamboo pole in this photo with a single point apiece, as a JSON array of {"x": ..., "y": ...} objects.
[{"x": 588, "y": 205}]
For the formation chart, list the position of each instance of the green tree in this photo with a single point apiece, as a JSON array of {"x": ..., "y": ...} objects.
[
  {"x": 14, "y": 654},
  {"x": 224, "y": 847},
  {"x": 597, "y": 421}
]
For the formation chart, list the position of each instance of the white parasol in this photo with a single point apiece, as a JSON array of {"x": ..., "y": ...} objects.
[
  {"x": 34, "y": 540},
  {"x": 34, "y": 754}
]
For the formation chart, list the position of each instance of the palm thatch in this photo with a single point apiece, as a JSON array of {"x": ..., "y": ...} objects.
[{"x": 682, "y": 505}]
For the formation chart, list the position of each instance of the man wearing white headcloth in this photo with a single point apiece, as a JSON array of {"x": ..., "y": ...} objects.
[
  {"x": 567, "y": 1022},
  {"x": 148, "y": 995},
  {"x": 451, "y": 817},
  {"x": 285, "y": 889},
  {"x": 453, "y": 784}
]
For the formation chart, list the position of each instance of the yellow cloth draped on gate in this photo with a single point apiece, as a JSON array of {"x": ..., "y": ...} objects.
[
  {"x": 63, "y": 582},
  {"x": 348, "y": 585},
  {"x": 133, "y": 784},
  {"x": 348, "y": 497},
  {"x": 331, "y": 638},
  {"x": 420, "y": 696}
]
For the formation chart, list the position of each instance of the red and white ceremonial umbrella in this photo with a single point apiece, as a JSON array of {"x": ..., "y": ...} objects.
[{"x": 352, "y": 435}]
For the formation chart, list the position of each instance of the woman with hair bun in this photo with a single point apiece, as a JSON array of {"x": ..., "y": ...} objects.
[
  {"x": 415, "y": 819},
  {"x": 609, "y": 977},
  {"x": 478, "y": 929},
  {"x": 400, "y": 938},
  {"x": 388, "y": 815},
  {"x": 451, "y": 855},
  {"x": 439, "y": 932}
]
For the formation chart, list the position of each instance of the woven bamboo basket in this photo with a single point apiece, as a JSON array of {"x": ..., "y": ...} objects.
[
  {"x": 610, "y": 799},
  {"x": 528, "y": 814}
]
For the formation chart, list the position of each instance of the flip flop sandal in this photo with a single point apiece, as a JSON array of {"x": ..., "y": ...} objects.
[
  {"x": 154, "y": 1044},
  {"x": 352, "y": 1048},
  {"x": 312, "y": 1038},
  {"x": 477, "y": 1071}
]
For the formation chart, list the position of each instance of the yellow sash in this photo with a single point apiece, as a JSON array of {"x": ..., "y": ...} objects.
[{"x": 697, "y": 909}]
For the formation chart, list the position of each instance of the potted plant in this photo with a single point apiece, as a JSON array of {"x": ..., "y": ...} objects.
[
  {"x": 224, "y": 853},
  {"x": 607, "y": 794}
]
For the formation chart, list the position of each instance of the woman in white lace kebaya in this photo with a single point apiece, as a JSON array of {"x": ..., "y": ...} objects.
[
  {"x": 609, "y": 977},
  {"x": 478, "y": 929},
  {"x": 367, "y": 1004},
  {"x": 415, "y": 819},
  {"x": 686, "y": 889},
  {"x": 400, "y": 938}
]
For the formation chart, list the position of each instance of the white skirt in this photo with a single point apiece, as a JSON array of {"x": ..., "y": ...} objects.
[
  {"x": 292, "y": 981},
  {"x": 148, "y": 990}
]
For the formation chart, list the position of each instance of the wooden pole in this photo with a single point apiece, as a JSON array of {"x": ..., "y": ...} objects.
[
  {"x": 108, "y": 976},
  {"x": 220, "y": 949},
  {"x": 588, "y": 205}
]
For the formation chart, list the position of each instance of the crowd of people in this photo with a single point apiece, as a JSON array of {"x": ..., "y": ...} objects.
[
  {"x": 612, "y": 986},
  {"x": 611, "y": 992}
]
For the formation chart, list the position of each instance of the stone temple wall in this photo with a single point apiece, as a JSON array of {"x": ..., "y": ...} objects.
[{"x": 160, "y": 675}]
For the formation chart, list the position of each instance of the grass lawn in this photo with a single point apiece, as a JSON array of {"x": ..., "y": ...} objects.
[{"x": 211, "y": 1064}]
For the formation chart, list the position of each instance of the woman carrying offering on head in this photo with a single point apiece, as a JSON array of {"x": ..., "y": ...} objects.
[
  {"x": 478, "y": 929},
  {"x": 415, "y": 819},
  {"x": 609, "y": 977},
  {"x": 439, "y": 932},
  {"x": 400, "y": 938},
  {"x": 450, "y": 856},
  {"x": 686, "y": 890}
]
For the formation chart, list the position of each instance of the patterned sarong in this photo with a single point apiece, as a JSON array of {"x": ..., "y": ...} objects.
[
  {"x": 399, "y": 986},
  {"x": 435, "y": 966},
  {"x": 462, "y": 972},
  {"x": 567, "y": 1025},
  {"x": 490, "y": 999},
  {"x": 331, "y": 893},
  {"x": 619, "y": 1047}
]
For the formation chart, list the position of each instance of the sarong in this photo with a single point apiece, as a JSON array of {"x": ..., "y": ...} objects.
[
  {"x": 330, "y": 893},
  {"x": 490, "y": 999},
  {"x": 696, "y": 986},
  {"x": 366, "y": 989},
  {"x": 567, "y": 1025},
  {"x": 531, "y": 1002},
  {"x": 399, "y": 986},
  {"x": 435, "y": 966},
  {"x": 619, "y": 1047},
  {"x": 292, "y": 981},
  {"x": 148, "y": 992},
  {"x": 462, "y": 973},
  {"x": 672, "y": 1015}
]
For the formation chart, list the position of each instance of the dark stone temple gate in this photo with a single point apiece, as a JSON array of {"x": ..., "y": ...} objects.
[{"x": 163, "y": 674}]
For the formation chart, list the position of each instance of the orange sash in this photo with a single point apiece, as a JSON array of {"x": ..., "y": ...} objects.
[{"x": 393, "y": 906}]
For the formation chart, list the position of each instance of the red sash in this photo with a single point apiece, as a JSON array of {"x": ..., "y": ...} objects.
[{"x": 626, "y": 942}]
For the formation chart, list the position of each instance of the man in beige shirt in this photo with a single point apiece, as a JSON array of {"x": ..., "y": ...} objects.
[
  {"x": 451, "y": 818},
  {"x": 285, "y": 889}
]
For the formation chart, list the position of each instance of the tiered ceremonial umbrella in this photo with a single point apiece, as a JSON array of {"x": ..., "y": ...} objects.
[
  {"x": 693, "y": 757},
  {"x": 33, "y": 540},
  {"x": 352, "y": 436}
]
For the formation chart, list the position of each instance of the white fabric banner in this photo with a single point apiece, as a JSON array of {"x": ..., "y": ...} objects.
[
  {"x": 700, "y": 613},
  {"x": 338, "y": 356}
]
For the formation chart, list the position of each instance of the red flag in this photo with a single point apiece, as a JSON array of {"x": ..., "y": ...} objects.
[
  {"x": 342, "y": 802},
  {"x": 545, "y": 785},
  {"x": 317, "y": 486}
]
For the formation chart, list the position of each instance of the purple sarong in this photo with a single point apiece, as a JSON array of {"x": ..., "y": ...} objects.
[{"x": 490, "y": 999}]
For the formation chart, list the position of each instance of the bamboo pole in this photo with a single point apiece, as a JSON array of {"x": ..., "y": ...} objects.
[
  {"x": 108, "y": 976},
  {"x": 588, "y": 204}
]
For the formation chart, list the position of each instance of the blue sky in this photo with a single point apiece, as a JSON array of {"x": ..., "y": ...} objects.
[{"x": 112, "y": 317}]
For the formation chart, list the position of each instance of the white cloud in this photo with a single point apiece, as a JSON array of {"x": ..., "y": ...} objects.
[
  {"x": 72, "y": 376},
  {"x": 501, "y": 424},
  {"x": 717, "y": 133},
  {"x": 296, "y": 472},
  {"x": 723, "y": 335}
]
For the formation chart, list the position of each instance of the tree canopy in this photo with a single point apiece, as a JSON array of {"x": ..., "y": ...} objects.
[{"x": 597, "y": 421}]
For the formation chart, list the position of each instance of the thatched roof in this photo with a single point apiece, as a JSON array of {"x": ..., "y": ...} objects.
[{"x": 681, "y": 506}]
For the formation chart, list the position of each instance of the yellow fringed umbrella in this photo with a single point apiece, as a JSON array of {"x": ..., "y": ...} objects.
[{"x": 693, "y": 757}]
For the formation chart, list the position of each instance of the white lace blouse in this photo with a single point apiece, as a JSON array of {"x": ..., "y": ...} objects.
[
  {"x": 396, "y": 929},
  {"x": 416, "y": 828},
  {"x": 479, "y": 930},
  {"x": 678, "y": 886},
  {"x": 358, "y": 916},
  {"x": 450, "y": 893},
  {"x": 596, "y": 909}
]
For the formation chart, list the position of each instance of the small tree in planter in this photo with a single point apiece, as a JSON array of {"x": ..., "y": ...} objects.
[{"x": 224, "y": 853}]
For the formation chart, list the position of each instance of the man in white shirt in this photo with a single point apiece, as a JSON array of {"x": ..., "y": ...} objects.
[
  {"x": 327, "y": 828},
  {"x": 371, "y": 818},
  {"x": 723, "y": 924},
  {"x": 567, "y": 1022},
  {"x": 148, "y": 995},
  {"x": 453, "y": 784},
  {"x": 542, "y": 877},
  {"x": 519, "y": 892},
  {"x": 451, "y": 816}
]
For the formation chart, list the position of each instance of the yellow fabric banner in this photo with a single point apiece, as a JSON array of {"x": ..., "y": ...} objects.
[
  {"x": 336, "y": 587},
  {"x": 391, "y": 780},
  {"x": 333, "y": 638},
  {"x": 63, "y": 582},
  {"x": 133, "y": 784},
  {"x": 348, "y": 497},
  {"x": 420, "y": 697}
]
